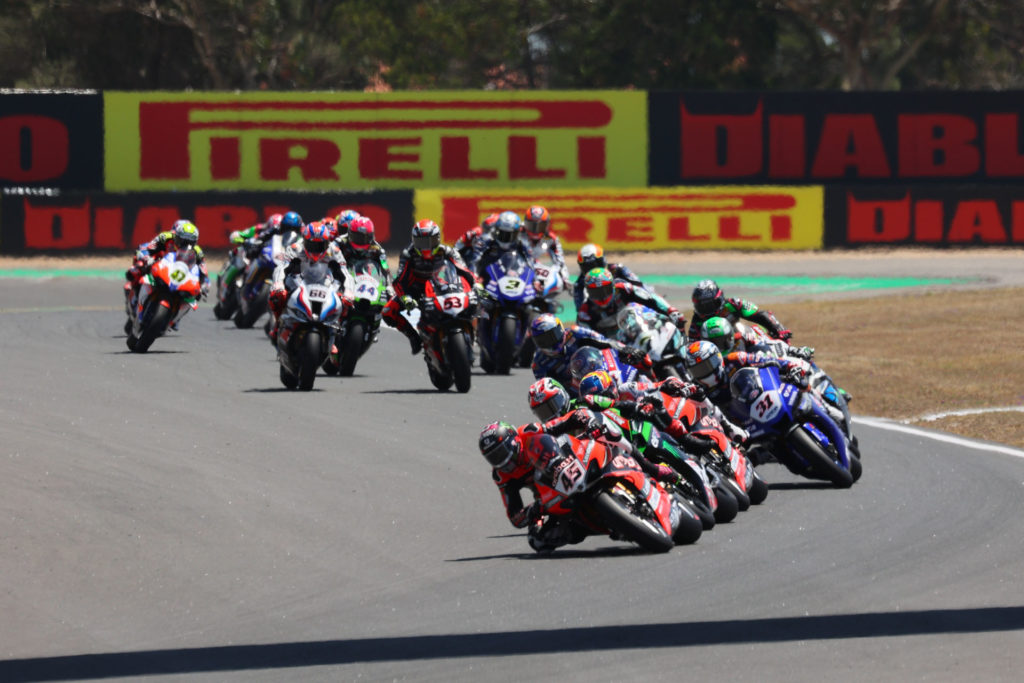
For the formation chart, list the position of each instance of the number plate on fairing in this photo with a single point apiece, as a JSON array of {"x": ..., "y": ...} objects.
[{"x": 766, "y": 407}]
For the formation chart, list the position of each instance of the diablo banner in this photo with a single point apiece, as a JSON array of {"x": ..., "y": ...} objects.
[
  {"x": 333, "y": 140},
  {"x": 829, "y": 137},
  {"x": 649, "y": 219},
  {"x": 84, "y": 222},
  {"x": 51, "y": 139},
  {"x": 944, "y": 216}
]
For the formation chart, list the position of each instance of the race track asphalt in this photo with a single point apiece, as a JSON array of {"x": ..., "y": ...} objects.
[{"x": 179, "y": 514}]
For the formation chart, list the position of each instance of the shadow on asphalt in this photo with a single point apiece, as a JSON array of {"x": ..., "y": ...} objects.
[{"x": 283, "y": 656}]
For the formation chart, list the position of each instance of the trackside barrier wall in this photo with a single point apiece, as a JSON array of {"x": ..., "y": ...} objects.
[{"x": 81, "y": 222}]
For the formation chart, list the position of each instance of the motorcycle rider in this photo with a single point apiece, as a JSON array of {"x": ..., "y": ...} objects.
[
  {"x": 504, "y": 237},
  {"x": 711, "y": 370},
  {"x": 315, "y": 246},
  {"x": 709, "y": 302},
  {"x": 606, "y": 296},
  {"x": 556, "y": 345},
  {"x": 469, "y": 243},
  {"x": 538, "y": 233},
  {"x": 417, "y": 263},
  {"x": 514, "y": 455},
  {"x": 727, "y": 338},
  {"x": 358, "y": 243},
  {"x": 591, "y": 256},
  {"x": 183, "y": 235}
]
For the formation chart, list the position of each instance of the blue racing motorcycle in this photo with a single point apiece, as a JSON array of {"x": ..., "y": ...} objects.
[
  {"x": 792, "y": 425},
  {"x": 504, "y": 328}
]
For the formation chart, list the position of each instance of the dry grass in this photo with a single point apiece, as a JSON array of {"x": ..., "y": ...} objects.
[{"x": 907, "y": 356}]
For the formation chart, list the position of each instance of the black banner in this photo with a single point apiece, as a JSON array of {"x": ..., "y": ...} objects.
[
  {"x": 51, "y": 140},
  {"x": 83, "y": 222},
  {"x": 836, "y": 137},
  {"x": 924, "y": 216}
]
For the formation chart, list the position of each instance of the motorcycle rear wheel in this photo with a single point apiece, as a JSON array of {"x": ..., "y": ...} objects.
[
  {"x": 309, "y": 360},
  {"x": 617, "y": 516},
  {"x": 690, "y": 526},
  {"x": 157, "y": 324},
  {"x": 758, "y": 489}
]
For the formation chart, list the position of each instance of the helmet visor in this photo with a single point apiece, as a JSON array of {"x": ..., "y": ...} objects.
[
  {"x": 551, "y": 408},
  {"x": 706, "y": 371},
  {"x": 601, "y": 294},
  {"x": 316, "y": 247},
  {"x": 548, "y": 339},
  {"x": 501, "y": 454},
  {"x": 359, "y": 239},
  {"x": 706, "y": 307},
  {"x": 536, "y": 227},
  {"x": 426, "y": 243}
]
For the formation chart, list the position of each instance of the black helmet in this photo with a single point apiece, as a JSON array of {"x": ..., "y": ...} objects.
[
  {"x": 500, "y": 445},
  {"x": 707, "y": 298}
]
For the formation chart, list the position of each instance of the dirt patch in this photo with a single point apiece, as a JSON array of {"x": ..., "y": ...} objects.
[{"x": 912, "y": 355}]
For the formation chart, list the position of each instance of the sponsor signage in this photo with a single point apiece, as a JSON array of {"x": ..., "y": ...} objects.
[
  {"x": 815, "y": 138},
  {"x": 83, "y": 222},
  {"x": 51, "y": 140},
  {"x": 288, "y": 141},
  {"x": 647, "y": 219},
  {"x": 961, "y": 215}
]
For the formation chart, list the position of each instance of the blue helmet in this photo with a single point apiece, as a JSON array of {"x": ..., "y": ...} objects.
[
  {"x": 547, "y": 334},
  {"x": 291, "y": 222},
  {"x": 584, "y": 361}
]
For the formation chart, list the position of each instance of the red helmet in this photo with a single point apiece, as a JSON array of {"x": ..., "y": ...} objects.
[
  {"x": 537, "y": 222},
  {"x": 360, "y": 233},
  {"x": 500, "y": 445},
  {"x": 548, "y": 399},
  {"x": 426, "y": 238},
  {"x": 316, "y": 237},
  {"x": 274, "y": 221}
]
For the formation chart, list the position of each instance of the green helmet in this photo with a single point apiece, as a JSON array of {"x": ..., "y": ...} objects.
[{"x": 720, "y": 332}]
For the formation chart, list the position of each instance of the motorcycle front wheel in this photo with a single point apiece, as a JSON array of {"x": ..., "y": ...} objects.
[
  {"x": 352, "y": 347},
  {"x": 824, "y": 464},
  {"x": 309, "y": 360},
  {"x": 156, "y": 326},
  {"x": 617, "y": 515},
  {"x": 457, "y": 356}
]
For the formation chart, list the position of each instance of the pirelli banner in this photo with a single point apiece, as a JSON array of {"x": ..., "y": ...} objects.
[
  {"x": 837, "y": 137},
  {"x": 346, "y": 140},
  {"x": 924, "y": 215},
  {"x": 749, "y": 218},
  {"x": 81, "y": 222}
]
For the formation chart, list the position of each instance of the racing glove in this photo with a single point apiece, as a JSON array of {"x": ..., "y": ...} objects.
[
  {"x": 276, "y": 302},
  {"x": 803, "y": 352},
  {"x": 634, "y": 355},
  {"x": 677, "y": 319},
  {"x": 785, "y": 335},
  {"x": 407, "y": 303}
]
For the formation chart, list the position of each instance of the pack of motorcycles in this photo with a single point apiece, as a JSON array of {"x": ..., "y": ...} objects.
[{"x": 324, "y": 326}]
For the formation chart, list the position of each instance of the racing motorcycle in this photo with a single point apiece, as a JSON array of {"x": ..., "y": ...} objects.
[
  {"x": 166, "y": 294},
  {"x": 447, "y": 309},
  {"x": 503, "y": 332},
  {"x": 589, "y": 359},
  {"x": 605, "y": 490},
  {"x": 308, "y": 325},
  {"x": 791, "y": 424},
  {"x": 726, "y": 457},
  {"x": 655, "y": 334},
  {"x": 548, "y": 285},
  {"x": 227, "y": 290},
  {"x": 255, "y": 290},
  {"x": 360, "y": 327}
]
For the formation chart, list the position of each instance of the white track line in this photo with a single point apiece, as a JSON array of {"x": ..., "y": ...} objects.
[
  {"x": 970, "y": 411},
  {"x": 938, "y": 436}
]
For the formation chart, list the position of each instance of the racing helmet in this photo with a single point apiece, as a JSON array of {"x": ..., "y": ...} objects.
[
  {"x": 316, "y": 237},
  {"x": 537, "y": 222},
  {"x": 600, "y": 286},
  {"x": 598, "y": 383},
  {"x": 360, "y": 233},
  {"x": 707, "y": 298},
  {"x": 507, "y": 229},
  {"x": 500, "y": 445},
  {"x": 590, "y": 256},
  {"x": 548, "y": 334},
  {"x": 548, "y": 399},
  {"x": 720, "y": 332},
  {"x": 426, "y": 238},
  {"x": 185, "y": 234},
  {"x": 584, "y": 361},
  {"x": 344, "y": 220},
  {"x": 291, "y": 222},
  {"x": 704, "y": 362},
  {"x": 273, "y": 221}
]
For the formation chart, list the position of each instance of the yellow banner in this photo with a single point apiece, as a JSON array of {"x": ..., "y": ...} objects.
[
  {"x": 761, "y": 218},
  {"x": 343, "y": 140}
]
